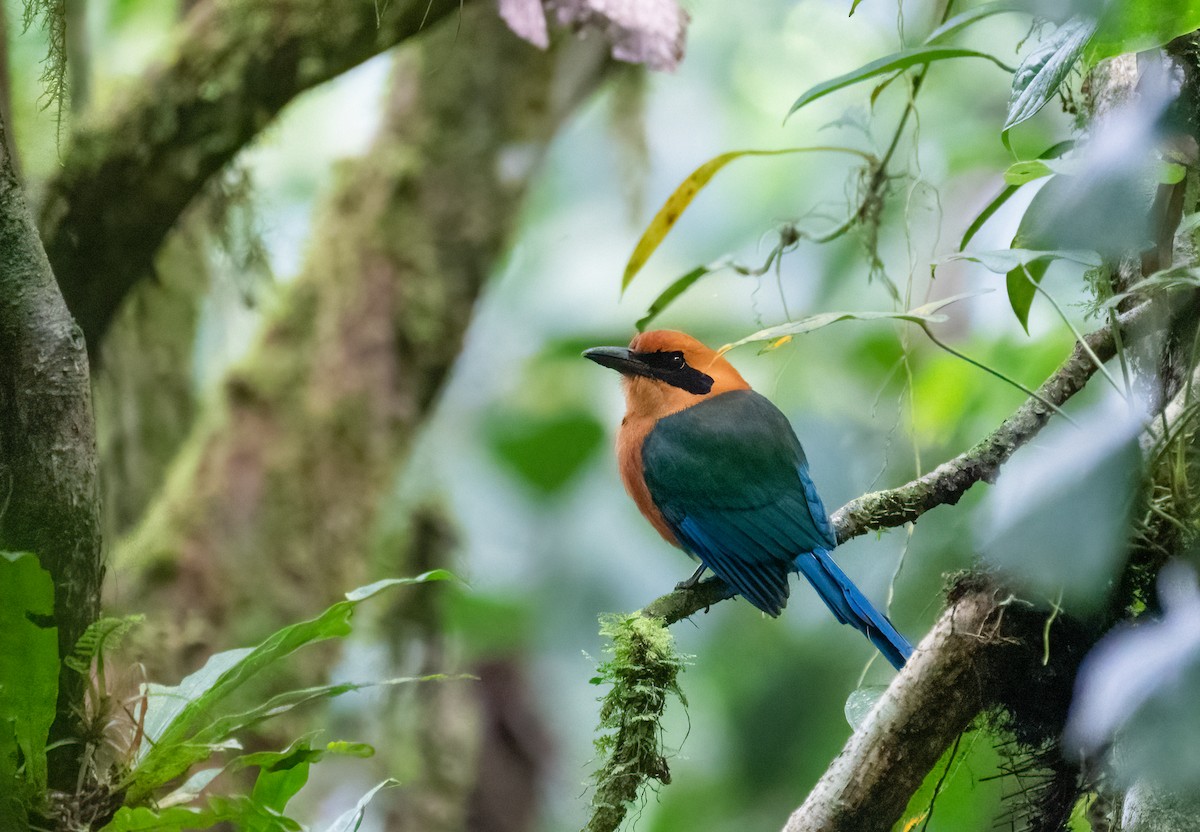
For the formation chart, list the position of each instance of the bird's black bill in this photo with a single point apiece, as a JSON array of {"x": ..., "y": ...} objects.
[
  {"x": 620, "y": 359},
  {"x": 664, "y": 366}
]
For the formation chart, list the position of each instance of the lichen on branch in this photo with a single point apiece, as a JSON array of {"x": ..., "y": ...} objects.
[{"x": 643, "y": 674}]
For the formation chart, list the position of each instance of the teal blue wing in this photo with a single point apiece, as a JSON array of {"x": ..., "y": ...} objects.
[{"x": 731, "y": 480}]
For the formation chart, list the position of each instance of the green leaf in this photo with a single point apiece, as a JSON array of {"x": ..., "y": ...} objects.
[
  {"x": 929, "y": 313},
  {"x": 545, "y": 452},
  {"x": 28, "y": 667},
  {"x": 101, "y": 635},
  {"x": 970, "y": 17},
  {"x": 1042, "y": 72},
  {"x": 1171, "y": 173},
  {"x": 853, "y": 6},
  {"x": 904, "y": 59},
  {"x": 986, "y": 214},
  {"x": 279, "y": 782},
  {"x": 184, "y": 724},
  {"x": 352, "y": 820},
  {"x": 677, "y": 288},
  {"x": 1138, "y": 25},
  {"x": 243, "y": 812},
  {"x": 13, "y": 794},
  {"x": 1021, "y": 284},
  {"x": 683, "y": 195},
  {"x": 1020, "y": 173}
]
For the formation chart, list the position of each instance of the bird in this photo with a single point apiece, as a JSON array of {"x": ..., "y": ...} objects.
[{"x": 718, "y": 471}]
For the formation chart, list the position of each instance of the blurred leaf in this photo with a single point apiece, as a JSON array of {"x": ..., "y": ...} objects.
[
  {"x": 1039, "y": 76},
  {"x": 1058, "y": 518},
  {"x": 351, "y": 820},
  {"x": 970, "y": 17},
  {"x": 860, "y": 702},
  {"x": 1136, "y": 693},
  {"x": 904, "y": 59},
  {"x": 545, "y": 452},
  {"x": 922, "y": 314},
  {"x": 1170, "y": 173},
  {"x": 488, "y": 625},
  {"x": 1015, "y": 262},
  {"x": 1137, "y": 25},
  {"x": 1167, "y": 280},
  {"x": 683, "y": 195},
  {"x": 673, "y": 291},
  {"x": 28, "y": 670}
]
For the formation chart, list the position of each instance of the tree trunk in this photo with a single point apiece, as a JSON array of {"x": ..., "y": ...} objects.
[{"x": 49, "y": 496}]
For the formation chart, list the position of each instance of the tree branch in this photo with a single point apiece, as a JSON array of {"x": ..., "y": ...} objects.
[
  {"x": 49, "y": 497},
  {"x": 945, "y": 484},
  {"x": 935, "y": 697},
  {"x": 132, "y": 169}
]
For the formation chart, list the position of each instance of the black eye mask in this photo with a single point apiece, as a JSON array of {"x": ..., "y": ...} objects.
[{"x": 674, "y": 370}]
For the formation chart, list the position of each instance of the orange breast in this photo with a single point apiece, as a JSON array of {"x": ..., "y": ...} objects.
[{"x": 629, "y": 460}]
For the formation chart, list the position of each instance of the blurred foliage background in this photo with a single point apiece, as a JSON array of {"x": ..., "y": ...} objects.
[{"x": 513, "y": 473}]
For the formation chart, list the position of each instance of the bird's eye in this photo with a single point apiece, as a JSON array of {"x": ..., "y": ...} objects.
[{"x": 677, "y": 362}]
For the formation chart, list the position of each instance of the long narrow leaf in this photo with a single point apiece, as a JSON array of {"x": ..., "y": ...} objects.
[
  {"x": 928, "y": 314},
  {"x": 677, "y": 288},
  {"x": 184, "y": 724},
  {"x": 683, "y": 195},
  {"x": 172, "y": 760},
  {"x": 1052, "y": 152},
  {"x": 905, "y": 58},
  {"x": 351, "y": 820},
  {"x": 970, "y": 17},
  {"x": 242, "y": 812},
  {"x": 1004, "y": 261}
]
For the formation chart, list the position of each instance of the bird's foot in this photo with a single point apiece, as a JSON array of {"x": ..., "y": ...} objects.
[{"x": 691, "y": 582}]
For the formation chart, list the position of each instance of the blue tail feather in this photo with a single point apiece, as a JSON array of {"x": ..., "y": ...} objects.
[{"x": 850, "y": 606}]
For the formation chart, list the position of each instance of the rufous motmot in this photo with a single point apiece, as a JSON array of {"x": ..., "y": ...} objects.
[{"x": 718, "y": 471}]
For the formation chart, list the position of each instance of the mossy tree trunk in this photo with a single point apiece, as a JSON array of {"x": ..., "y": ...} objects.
[
  {"x": 49, "y": 493},
  {"x": 129, "y": 171},
  {"x": 268, "y": 510}
]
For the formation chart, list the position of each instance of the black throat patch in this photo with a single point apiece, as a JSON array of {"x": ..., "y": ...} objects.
[{"x": 670, "y": 366}]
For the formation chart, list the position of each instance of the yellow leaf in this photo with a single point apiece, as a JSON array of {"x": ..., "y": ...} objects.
[{"x": 678, "y": 202}]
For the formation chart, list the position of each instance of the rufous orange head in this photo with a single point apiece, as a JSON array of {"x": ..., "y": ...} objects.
[{"x": 666, "y": 371}]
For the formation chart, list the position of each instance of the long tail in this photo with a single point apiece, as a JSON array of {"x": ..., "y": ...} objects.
[{"x": 851, "y": 607}]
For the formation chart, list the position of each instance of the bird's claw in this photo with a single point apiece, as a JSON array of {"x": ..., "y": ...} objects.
[{"x": 691, "y": 582}]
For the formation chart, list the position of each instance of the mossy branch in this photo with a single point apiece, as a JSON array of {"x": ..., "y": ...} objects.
[
  {"x": 643, "y": 674},
  {"x": 129, "y": 171}
]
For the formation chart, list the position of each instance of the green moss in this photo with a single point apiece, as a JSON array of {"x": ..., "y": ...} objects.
[
  {"x": 643, "y": 670},
  {"x": 51, "y": 15}
]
